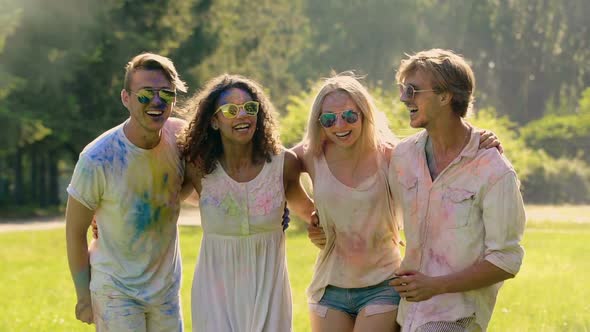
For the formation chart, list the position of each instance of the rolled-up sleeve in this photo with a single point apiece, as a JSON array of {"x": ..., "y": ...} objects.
[{"x": 504, "y": 221}]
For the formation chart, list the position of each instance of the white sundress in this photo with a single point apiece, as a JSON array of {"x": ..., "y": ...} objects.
[{"x": 241, "y": 281}]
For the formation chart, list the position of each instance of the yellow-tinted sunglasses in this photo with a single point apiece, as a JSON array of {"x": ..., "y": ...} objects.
[{"x": 230, "y": 111}]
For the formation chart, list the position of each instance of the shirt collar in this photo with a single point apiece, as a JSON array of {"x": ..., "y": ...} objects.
[{"x": 469, "y": 151}]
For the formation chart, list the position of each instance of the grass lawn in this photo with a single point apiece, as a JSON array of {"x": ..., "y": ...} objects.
[{"x": 551, "y": 293}]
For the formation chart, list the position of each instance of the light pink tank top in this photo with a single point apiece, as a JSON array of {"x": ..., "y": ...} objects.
[{"x": 361, "y": 232}]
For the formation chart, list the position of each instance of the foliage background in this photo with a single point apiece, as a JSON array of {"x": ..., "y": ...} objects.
[{"x": 61, "y": 70}]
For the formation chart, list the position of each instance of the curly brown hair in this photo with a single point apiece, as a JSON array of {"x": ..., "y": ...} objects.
[{"x": 201, "y": 144}]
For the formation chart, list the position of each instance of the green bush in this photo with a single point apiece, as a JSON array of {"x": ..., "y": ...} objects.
[
  {"x": 294, "y": 123},
  {"x": 558, "y": 181},
  {"x": 561, "y": 136},
  {"x": 515, "y": 149},
  {"x": 564, "y": 134},
  {"x": 544, "y": 178}
]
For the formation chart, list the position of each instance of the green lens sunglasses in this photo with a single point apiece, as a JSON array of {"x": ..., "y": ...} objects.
[
  {"x": 327, "y": 120},
  {"x": 145, "y": 95}
]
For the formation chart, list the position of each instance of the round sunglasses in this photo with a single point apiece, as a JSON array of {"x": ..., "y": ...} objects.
[
  {"x": 145, "y": 95},
  {"x": 230, "y": 111},
  {"x": 327, "y": 120}
]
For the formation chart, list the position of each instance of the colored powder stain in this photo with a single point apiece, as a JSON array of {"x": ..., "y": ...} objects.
[
  {"x": 157, "y": 213},
  {"x": 227, "y": 94},
  {"x": 165, "y": 180},
  {"x": 144, "y": 216},
  {"x": 109, "y": 153},
  {"x": 122, "y": 153},
  {"x": 170, "y": 309},
  {"x": 102, "y": 157},
  {"x": 121, "y": 286},
  {"x": 82, "y": 278},
  {"x": 231, "y": 207},
  {"x": 438, "y": 259}
]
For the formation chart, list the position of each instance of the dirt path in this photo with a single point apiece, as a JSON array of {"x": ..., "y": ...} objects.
[
  {"x": 188, "y": 216},
  {"x": 558, "y": 213}
]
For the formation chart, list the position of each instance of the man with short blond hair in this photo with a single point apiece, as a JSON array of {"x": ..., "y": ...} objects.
[
  {"x": 462, "y": 210},
  {"x": 130, "y": 179}
]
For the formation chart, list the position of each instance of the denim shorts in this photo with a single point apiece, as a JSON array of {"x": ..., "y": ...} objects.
[{"x": 375, "y": 299}]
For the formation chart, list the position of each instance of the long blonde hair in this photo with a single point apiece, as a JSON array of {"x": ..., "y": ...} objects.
[{"x": 374, "y": 133}]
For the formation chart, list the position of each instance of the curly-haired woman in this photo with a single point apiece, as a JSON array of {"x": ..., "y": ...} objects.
[{"x": 243, "y": 177}]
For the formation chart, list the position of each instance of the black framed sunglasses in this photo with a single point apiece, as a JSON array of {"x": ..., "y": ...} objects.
[
  {"x": 408, "y": 91},
  {"x": 146, "y": 95},
  {"x": 327, "y": 120}
]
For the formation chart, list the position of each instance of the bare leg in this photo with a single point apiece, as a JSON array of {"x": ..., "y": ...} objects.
[
  {"x": 334, "y": 321},
  {"x": 384, "y": 321}
]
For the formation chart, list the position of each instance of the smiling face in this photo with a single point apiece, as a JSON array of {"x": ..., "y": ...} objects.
[
  {"x": 147, "y": 119},
  {"x": 424, "y": 108},
  {"x": 241, "y": 128},
  {"x": 342, "y": 133}
]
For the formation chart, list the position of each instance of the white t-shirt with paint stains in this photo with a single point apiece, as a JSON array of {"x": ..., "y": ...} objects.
[{"x": 135, "y": 194}]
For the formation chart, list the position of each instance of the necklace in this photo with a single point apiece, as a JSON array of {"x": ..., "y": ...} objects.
[{"x": 439, "y": 165}]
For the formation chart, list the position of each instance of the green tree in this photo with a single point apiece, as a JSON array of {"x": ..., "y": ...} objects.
[
  {"x": 562, "y": 135},
  {"x": 263, "y": 41},
  {"x": 68, "y": 58},
  {"x": 368, "y": 36},
  {"x": 539, "y": 53},
  {"x": 293, "y": 125},
  {"x": 11, "y": 122},
  {"x": 39, "y": 56}
]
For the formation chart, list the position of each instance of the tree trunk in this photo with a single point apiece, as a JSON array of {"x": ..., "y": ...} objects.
[
  {"x": 43, "y": 199},
  {"x": 53, "y": 188},
  {"x": 4, "y": 181},
  {"x": 18, "y": 177},
  {"x": 35, "y": 189}
]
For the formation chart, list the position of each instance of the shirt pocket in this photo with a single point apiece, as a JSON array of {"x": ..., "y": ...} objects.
[{"x": 458, "y": 203}]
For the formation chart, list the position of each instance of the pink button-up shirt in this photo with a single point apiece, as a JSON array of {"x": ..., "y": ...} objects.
[{"x": 472, "y": 211}]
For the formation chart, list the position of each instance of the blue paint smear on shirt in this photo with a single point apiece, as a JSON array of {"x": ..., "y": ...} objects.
[
  {"x": 145, "y": 214},
  {"x": 122, "y": 286},
  {"x": 122, "y": 153},
  {"x": 111, "y": 151},
  {"x": 165, "y": 181},
  {"x": 102, "y": 157}
]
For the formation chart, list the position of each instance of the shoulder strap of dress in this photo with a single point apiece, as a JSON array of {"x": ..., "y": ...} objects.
[{"x": 280, "y": 160}]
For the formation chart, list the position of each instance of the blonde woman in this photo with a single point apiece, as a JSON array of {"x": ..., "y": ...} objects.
[{"x": 346, "y": 152}]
